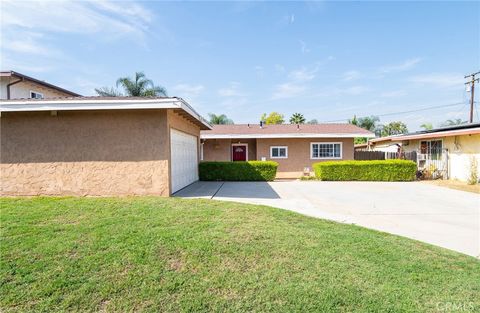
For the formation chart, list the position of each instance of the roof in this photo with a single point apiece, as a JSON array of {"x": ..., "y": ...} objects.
[
  {"x": 285, "y": 131},
  {"x": 104, "y": 103},
  {"x": 37, "y": 81},
  {"x": 447, "y": 131}
]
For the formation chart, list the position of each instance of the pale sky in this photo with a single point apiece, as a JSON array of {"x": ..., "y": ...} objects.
[{"x": 327, "y": 60}]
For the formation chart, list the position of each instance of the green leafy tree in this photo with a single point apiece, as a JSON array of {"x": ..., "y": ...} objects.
[
  {"x": 353, "y": 121},
  {"x": 394, "y": 128},
  {"x": 427, "y": 126},
  {"x": 359, "y": 140},
  {"x": 312, "y": 121},
  {"x": 454, "y": 122},
  {"x": 108, "y": 92},
  {"x": 220, "y": 119},
  {"x": 368, "y": 123},
  {"x": 140, "y": 86},
  {"x": 273, "y": 118},
  {"x": 297, "y": 118}
]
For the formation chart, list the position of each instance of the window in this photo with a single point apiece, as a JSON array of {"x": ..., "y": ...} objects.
[
  {"x": 279, "y": 152},
  {"x": 326, "y": 150},
  {"x": 432, "y": 147},
  {"x": 36, "y": 95}
]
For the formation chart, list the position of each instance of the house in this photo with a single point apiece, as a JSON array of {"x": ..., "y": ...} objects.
[
  {"x": 294, "y": 147},
  {"x": 446, "y": 152},
  {"x": 14, "y": 85},
  {"x": 98, "y": 146}
]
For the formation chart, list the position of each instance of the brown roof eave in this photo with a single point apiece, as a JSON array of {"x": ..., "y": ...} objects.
[{"x": 40, "y": 82}]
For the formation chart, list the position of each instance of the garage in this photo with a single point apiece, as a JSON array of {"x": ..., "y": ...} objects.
[{"x": 184, "y": 159}]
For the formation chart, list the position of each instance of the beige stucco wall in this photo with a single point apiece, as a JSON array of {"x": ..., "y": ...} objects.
[
  {"x": 292, "y": 167},
  {"x": 88, "y": 153},
  {"x": 22, "y": 90},
  {"x": 299, "y": 153},
  {"x": 461, "y": 150},
  {"x": 221, "y": 149}
]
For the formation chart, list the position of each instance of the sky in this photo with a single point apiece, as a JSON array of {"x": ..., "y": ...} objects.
[{"x": 326, "y": 60}]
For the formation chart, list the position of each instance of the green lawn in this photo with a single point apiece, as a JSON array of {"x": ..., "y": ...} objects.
[{"x": 157, "y": 255}]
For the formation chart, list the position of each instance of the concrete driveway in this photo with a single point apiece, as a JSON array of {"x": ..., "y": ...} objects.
[{"x": 436, "y": 215}]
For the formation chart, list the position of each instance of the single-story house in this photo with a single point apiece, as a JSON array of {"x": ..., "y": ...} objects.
[
  {"x": 451, "y": 151},
  {"x": 294, "y": 147},
  {"x": 14, "y": 85},
  {"x": 98, "y": 146}
]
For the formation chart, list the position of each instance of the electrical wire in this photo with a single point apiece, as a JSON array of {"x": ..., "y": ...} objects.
[{"x": 404, "y": 112}]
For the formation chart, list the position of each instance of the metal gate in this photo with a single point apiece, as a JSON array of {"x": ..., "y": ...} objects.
[{"x": 433, "y": 163}]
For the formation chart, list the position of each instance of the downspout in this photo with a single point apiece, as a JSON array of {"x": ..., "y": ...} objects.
[{"x": 11, "y": 84}]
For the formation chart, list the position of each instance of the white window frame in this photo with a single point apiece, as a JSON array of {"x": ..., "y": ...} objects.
[
  {"x": 279, "y": 157},
  {"x": 430, "y": 140},
  {"x": 238, "y": 144},
  {"x": 326, "y": 143},
  {"x": 38, "y": 93}
]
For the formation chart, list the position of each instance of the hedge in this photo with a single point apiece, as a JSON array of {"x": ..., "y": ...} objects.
[
  {"x": 238, "y": 171},
  {"x": 378, "y": 170}
]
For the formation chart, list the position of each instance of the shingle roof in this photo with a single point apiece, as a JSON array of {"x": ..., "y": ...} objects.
[
  {"x": 254, "y": 130},
  {"x": 37, "y": 81}
]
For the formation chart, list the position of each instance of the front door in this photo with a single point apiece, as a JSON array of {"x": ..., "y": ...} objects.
[{"x": 239, "y": 152}]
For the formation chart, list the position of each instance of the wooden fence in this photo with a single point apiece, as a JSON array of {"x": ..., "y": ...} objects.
[{"x": 380, "y": 155}]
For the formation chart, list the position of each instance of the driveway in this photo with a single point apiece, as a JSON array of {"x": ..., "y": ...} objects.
[{"x": 436, "y": 215}]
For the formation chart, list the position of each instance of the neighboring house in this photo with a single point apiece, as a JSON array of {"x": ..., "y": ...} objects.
[
  {"x": 449, "y": 151},
  {"x": 98, "y": 146},
  {"x": 294, "y": 147},
  {"x": 14, "y": 85}
]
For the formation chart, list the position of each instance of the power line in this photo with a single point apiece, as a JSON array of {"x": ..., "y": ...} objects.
[
  {"x": 404, "y": 112},
  {"x": 471, "y": 83}
]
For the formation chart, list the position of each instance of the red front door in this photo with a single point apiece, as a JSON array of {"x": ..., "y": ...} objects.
[{"x": 239, "y": 153}]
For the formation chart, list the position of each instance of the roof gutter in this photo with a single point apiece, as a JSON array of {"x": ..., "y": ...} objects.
[{"x": 11, "y": 84}]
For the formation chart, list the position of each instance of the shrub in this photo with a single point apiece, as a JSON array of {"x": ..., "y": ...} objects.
[
  {"x": 473, "y": 177},
  {"x": 378, "y": 170},
  {"x": 238, "y": 171}
]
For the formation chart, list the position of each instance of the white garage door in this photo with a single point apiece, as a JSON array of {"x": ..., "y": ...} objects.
[{"x": 184, "y": 159}]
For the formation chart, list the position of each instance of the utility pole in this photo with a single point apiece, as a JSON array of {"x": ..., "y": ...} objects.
[{"x": 472, "y": 89}]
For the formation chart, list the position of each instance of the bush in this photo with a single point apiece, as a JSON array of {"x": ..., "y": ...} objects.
[
  {"x": 238, "y": 171},
  {"x": 382, "y": 170}
]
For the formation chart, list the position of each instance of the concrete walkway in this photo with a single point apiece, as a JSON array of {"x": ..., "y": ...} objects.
[{"x": 436, "y": 215}]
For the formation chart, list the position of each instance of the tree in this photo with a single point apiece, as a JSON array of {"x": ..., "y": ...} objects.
[
  {"x": 108, "y": 92},
  {"x": 297, "y": 118},
  {"x": 353, "y": 121},
  {"x": 273, "y": 118},
  {"x": 394, "y": 128},
  {"x": 454, "y": 122},
  {"x": 141, "y": 86},
  {"x": 220, "y": 119},
  {"x": 312, "y": 121},
  {"x": 368, "y": 122},
  {"x": 427, "y": 126}
]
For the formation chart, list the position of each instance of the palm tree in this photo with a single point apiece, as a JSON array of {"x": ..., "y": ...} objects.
[
  {"x": 427, "y": 126},
  {"x": 297, "y": 118},
  {"x": 141, "y": 86},
  {"x": 220, "y": 119},
  {"x": 454, "y": 122}
]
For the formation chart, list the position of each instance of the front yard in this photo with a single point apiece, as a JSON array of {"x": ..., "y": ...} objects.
[{"x": 157, "y": 254}]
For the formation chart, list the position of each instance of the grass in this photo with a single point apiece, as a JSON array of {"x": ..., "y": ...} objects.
[{"x": 162, "y": 255}]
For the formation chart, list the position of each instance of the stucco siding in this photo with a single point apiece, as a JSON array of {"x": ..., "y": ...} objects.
[
  {"x": 299, "y": 153},
  {"x": 85, "y": 153},
  {"x": 221, "y": 149},
  {"x": 461, "y": 151},
  {"x": 292, "y": 167},
  {"x": 22, "y": 90}
]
